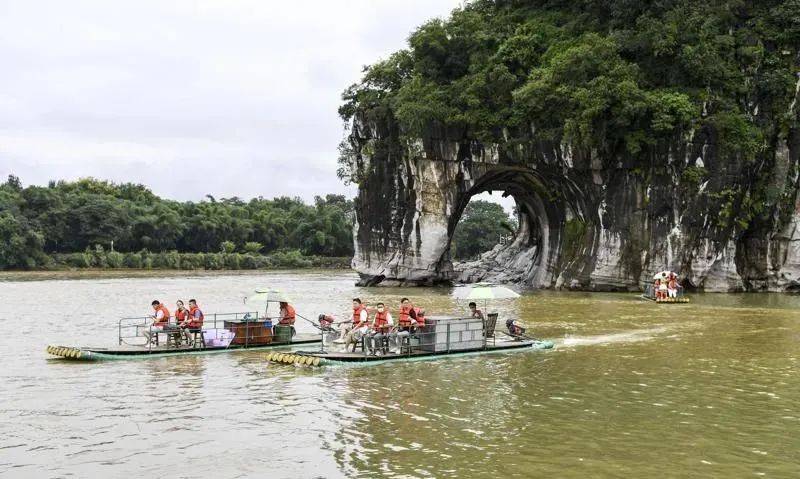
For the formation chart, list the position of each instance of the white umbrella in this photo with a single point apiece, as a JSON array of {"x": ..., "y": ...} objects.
[
  {"x": 662, "y": 275},
  {"x": 268, "y": 295},
  {"x": 484, "y": 291}
]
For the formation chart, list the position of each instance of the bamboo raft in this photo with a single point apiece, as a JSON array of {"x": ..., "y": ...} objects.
[
  {"x": 439, "y": 337},
  {"x": 243, "y": 331}
]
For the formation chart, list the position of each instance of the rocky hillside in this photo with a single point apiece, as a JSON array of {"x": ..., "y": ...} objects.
[{"x": 634, "y": 136}]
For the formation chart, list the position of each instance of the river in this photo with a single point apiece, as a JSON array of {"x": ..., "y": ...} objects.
[{"x": 632, "y": 389}]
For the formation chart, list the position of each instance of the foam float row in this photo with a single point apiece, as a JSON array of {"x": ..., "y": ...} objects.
[
  {"x": 65, "y": 352},
  {"x": 286, "y": 358}
]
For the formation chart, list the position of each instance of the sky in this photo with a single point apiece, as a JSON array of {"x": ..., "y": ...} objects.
[{"x": 223, "y": 97}]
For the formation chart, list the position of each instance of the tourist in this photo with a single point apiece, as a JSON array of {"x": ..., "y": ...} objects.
[
  {"x": 419, "y": 316},
  {"x": 662, "y": 288},
  {"x": 657, "y": 289},
  {"x": 160, "y": 319},
  {"x": 181, "y": 313},
  {"x": 475, "y": 312},
  {"x": 161, "y": 314},
  {"x": 406, "y": 324},
  {"x": 672, "y": 286},
  {"x": 192, "y": 321},
  {"x": 359, "y": 321},
  {"x": 381, "y": 326},
  {"x": 195, "y": 317}
]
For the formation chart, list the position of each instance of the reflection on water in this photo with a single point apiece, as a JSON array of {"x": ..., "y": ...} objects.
[{"x": 633, "y": 389}]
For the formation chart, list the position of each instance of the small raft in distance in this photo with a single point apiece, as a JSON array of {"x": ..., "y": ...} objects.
[{"x": 222, "y": 333}]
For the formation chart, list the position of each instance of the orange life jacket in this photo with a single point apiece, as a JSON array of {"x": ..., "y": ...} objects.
[
  {"x": 165, "y": 319},
  {"x": 180, "y": 316},
  {"x": 195, "y": 322},
  {"x": 288, "y": 317},
  {"x": 404, "y": 320},
  {"x": 419, "y": 315},
  {"x": 357, "y": 315},
  {"x": 381, "y": 320}
]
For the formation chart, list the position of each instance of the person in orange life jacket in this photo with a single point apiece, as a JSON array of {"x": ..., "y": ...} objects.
[
  {"x": 181, "y": 313},
  {"x": 287, "y": 315},
  {"x": 419, "y": 315},
  {"x": 161, "y": 314},
  {"x": 475, "y": 312},
  {"x": 160, "y": 319},
  {"x": 381, "y": 326},
  {"x": 194, "y": 317},
  {"x": 406, "y": 323},
  {"x": 360, "y": 321}
]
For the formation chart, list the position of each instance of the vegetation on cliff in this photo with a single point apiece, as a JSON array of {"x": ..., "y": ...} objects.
[
  {"x": 621, "y": 81},
  {"x": 74, "y": 224}
]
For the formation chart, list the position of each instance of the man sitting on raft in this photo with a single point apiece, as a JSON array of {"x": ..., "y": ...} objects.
[
  {"x": 360, "y": 319},
  {"x": 381, "y": 326},
  {"x": 160, "y": 319}
]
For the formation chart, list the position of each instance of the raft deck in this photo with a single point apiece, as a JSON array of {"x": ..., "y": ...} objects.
[
  {"x": 88, "y": 353},
  {"x": 678, "y": 300},
  {"x": 358, "y": 356},
  {"x": 221, "y": 332}
]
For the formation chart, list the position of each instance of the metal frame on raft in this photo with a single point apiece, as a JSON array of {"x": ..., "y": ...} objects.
[
  {"x": 439, "y": 337},
  {"x": 248, "y": 335},
  {"x": 649, "y": 294}
]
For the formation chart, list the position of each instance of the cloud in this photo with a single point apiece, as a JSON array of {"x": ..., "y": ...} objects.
[{"x": 220, "y": 97}]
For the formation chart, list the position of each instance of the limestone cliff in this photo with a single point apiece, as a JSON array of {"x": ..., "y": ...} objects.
[{"x": 595, "y": 215}]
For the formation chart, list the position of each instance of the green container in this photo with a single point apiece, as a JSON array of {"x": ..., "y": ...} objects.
[{"x": 283, "y": 334}]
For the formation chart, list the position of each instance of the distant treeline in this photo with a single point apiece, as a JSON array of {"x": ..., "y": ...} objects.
[{"x": 99, "y": 224}]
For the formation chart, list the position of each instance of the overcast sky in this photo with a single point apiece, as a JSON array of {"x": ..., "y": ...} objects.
[{"x": 221, "y": 97}]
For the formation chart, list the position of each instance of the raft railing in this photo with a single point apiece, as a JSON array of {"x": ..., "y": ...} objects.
[
  {"x": 426, "y": 338},
  {"x": 133, "y": 328}
]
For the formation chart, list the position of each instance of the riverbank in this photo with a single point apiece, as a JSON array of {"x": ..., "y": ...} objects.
[
  {"x": 121, "y": 273},
  {"x": 173, "y": 260}
]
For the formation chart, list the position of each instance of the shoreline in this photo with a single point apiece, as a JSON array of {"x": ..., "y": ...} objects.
[{"x": 100, "y": 273}]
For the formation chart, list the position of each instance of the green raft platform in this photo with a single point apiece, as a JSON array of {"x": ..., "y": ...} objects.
[
  {"x": 221, "y": 333},
  {"x": 439, "y": 338}
]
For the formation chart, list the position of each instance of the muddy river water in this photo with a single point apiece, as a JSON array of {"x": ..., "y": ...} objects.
[{"x": 632, "y": 389}]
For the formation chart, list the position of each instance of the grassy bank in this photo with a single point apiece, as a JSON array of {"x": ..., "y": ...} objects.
[{"x": 173, "y": 260}]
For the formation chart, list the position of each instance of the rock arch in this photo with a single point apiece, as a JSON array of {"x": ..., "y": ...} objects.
[{"x": 589, "y": 221}]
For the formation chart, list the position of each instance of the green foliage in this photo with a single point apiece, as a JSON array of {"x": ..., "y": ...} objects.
[
  {"x": 692, "y": 176},
  {"x": 253, "y": 247},
  {"x": 616, "y": 79},
  {"x": 480, "y": 228},
  {"x": 290, "y": 259},
  {"x": 88, "y": 214},
  {"x": 228, "y": 247}
]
